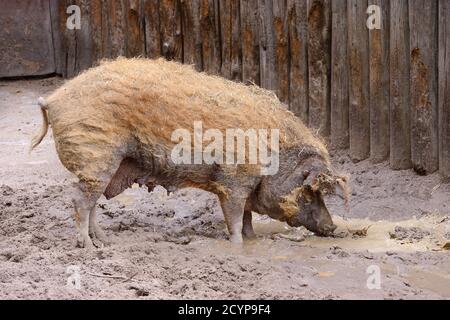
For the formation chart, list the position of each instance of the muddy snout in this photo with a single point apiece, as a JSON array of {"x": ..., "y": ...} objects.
[
  {"x": 313, "y": 215},
  {"x": 326, "y": 230},
  {"x": 322, "y": 228}
]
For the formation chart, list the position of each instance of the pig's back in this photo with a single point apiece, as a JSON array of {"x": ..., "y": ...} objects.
[{"x": 151, "y": 98}]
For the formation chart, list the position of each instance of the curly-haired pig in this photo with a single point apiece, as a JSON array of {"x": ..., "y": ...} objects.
[{"x": 115, "y": 125}]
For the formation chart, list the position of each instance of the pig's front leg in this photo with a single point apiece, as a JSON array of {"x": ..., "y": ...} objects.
[
  {"x": 247, "y": 228},
  {"x": 233, "y": 211}
]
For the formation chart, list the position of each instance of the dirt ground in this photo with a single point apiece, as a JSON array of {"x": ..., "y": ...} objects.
[{"x": 169, "y": 246}]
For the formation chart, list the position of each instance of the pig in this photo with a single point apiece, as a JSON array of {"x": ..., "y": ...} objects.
[{"x": 113, "y": 127}]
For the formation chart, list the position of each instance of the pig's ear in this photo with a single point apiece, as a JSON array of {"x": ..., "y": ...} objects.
[
  {"x": 341, "y": 188},
  {"x": 313, "y": 179},
  {"x": 328, "y": 183},
  {"x": 309, "y": 178},
  {"x": 294, "y": 180}
]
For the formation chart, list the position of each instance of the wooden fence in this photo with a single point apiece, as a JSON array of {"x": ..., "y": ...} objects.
[{"x": 383, "y": 93}]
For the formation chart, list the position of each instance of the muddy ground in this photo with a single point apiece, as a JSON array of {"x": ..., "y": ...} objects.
[{"x": 168, "y": 246}]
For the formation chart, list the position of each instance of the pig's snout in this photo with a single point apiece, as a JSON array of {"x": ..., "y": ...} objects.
[{"x": 326, "y": 230}]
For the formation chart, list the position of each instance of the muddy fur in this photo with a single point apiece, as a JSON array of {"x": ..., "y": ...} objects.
[{"x": 112, "y": 127}]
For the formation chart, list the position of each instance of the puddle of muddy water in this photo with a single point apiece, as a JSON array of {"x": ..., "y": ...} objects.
[{"x": 378, "y": 237}]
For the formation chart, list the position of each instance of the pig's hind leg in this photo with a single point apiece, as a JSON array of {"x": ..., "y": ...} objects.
[
  {"x": 95, "y": 231},
  {"x": 88, "y": 192},
  {"x": 84, "y": 203},
  {"x": 128, "y": 172}
]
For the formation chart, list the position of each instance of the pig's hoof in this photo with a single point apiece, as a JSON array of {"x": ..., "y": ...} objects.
[
  {"x": 98, "y": 244},
  {"x": 236, "y": 239},
  {"x": 85, "y": 242},
  {"x": 98, "y": 234},
  {"x": 249, "y": 235}
]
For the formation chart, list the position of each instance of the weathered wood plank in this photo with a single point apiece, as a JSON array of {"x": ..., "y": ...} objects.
[
  {"x": 59, "y": 14},
  {"x": 170, "y": 29},
  {"x": 400, "y": 142},
  {"x": 116, "y": 29},
  {"x": 210, "y": 34},
  {"x": 266, "y": 45},
  {"x": 359, "y": 109},
  {"x": 105, "y": 32},
  {"x": 424, "y": 121},
  {"x": 226, "y": 33},
  {"x": 152, "y": 29},
  {"x": 444, "y": 88},
  {"x": 250, "y": 41},
  {"x": 68, "y": 41},
  {"x": 134, "y": 28},
  {"x": 298, "y": 73},
  {"x": 84, "y": 42},
  {"x": 319, "y": 52},
  {"x": 229, "y": 11},
  {"x": 59, "y": 54},
  {"x": 281, "y": 45},
  {"x": 236, "y": 43},
  {"x": 339, "y": 76},
  {"x": 26, "y": 38},
  {"x": 93, "y": 34},
  {"x": 192, "y": 42},
  {"x": 379, "y": 85}
]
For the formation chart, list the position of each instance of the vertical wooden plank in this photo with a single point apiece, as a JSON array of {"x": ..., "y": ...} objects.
[
  {"x": 339, "y": 76},
  {"x": 170, "y": 28},
  {"x": 134, "y": 28},
  {"x": 359, "y": 110},
  {"x": 266, "y": 45},
  {"x": 77, "y": 42},
  {"x": 57, "y": 34},
  {"x": 229, "y": 11},
  {"x": 236, "y": 43},
  {"x": 152, "y": 28},
  {"x": 444, "y": 88},
  {"x": 96, "y": 31},
  {"x": 379, "y": 85},
  {"x": 281, "y": 37},
  {"x": 319, "y": 49},
  {"x": 105, "y": 32},
  {"x": 115, "y": 13},
  {"x": 424, "y": 121},
  {"x": 209, "y": 28},
  {"x": 192, "y": 42},
  {"x": 225, "y": 17},
  {"x": 84, "y": 45},
  {"x": 399, "y": 119},
  {"x": 68, "y": 41},
  {"x": 298, "y": 73},
  {"x": 250, "y": 42}
]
